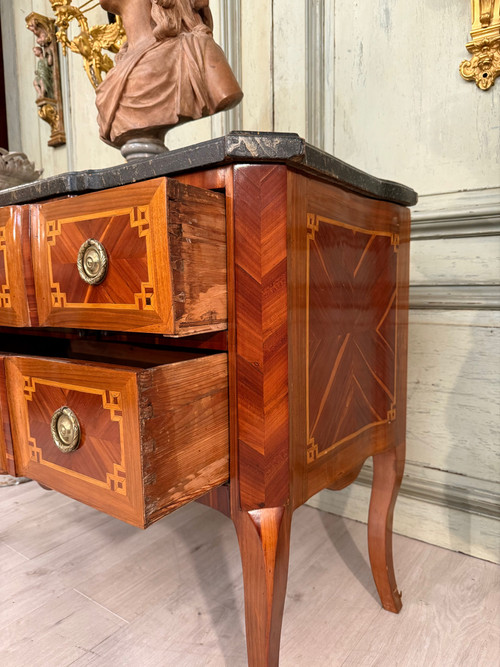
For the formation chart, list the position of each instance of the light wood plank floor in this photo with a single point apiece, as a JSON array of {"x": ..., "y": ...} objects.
[{"x": 79, "y": 588}]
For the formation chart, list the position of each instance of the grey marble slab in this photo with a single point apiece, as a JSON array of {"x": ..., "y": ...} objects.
[{"x": 236, "y": 147}]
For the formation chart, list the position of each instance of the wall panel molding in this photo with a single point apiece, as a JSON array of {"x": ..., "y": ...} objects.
[
  {"x": 230, "y": 42},
  {"x": 320, "y": 84},
  {"x": 455, "y": 297},
  {"x": 11, "y": 76},
  {"x": 457, "y": 215},
  {"x": 315, "y": 72}
]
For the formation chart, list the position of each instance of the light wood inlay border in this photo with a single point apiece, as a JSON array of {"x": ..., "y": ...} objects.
[
  {"x": 140, "y": 219},
  {"x": 112, "y": 401},
  {"x": 5, "y": 296}
]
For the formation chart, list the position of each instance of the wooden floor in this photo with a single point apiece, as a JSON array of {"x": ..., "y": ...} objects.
[{"x": 78, "y": 588}]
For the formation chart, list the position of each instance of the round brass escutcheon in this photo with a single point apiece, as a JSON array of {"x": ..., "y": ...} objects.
[
  {"x": 92, "y": 262},
  {"x": 65, "y": 430}
]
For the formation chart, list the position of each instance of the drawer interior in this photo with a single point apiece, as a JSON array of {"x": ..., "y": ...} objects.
[{"x": 102, "y": 349}]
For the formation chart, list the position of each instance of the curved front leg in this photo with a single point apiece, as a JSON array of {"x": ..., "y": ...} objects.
[
  {"x": 264, "y": 539},
  {"x": 387, "y": 475}
]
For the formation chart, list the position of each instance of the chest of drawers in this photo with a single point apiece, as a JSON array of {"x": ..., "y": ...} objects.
[{"x": 227, "y": 322}]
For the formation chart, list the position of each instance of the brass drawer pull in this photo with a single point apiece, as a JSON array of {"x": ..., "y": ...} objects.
[
  {"x": 65, "y": 430},
  {"x": 92, "y": 262}
]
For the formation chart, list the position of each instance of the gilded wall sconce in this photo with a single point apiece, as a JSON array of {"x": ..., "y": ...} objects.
[
  {"x": 47, "y": 81},
  {"x": 484, "y": 66}
]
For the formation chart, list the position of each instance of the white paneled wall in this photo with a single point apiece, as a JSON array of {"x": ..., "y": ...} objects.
[
  {"x": 27, "y": 132},
  {"x": 376, "y": 82},
  {"x": 402, "y": 109}
]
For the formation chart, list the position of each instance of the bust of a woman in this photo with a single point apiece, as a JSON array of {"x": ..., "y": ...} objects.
[{"x": 169, "y": 71}]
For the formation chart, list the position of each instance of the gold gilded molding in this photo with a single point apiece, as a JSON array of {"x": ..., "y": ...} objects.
[
  {"x": 91, "y": 41},
  {"x": 484, "y": 66}
]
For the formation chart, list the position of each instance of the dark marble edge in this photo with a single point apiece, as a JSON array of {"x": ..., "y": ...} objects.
[{"x": 235, "y": 147}]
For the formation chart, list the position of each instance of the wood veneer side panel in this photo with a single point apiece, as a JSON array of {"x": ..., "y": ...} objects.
[
  {"x": 14, "y": 249},
  {"x": 184, "y": 432},
  {"x": 312, "y": 201},
  {"x": 197, "y": 244},
  {"x": 260, "y": 302},
  {"x": 7, "y": 464}
]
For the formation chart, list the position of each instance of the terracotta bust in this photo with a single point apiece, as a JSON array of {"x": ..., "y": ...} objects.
[{"x": 169, "y": 71}]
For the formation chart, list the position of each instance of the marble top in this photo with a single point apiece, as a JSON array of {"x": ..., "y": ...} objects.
[{"x": 236, "y": 147}]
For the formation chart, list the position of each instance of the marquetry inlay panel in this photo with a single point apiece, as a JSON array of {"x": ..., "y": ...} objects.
[
  {"x": 160, "y": 265},
  {"x": 126, "y": 236},
  {"x": 100, "y": 458},
  {"x": 352, "y": 277}
]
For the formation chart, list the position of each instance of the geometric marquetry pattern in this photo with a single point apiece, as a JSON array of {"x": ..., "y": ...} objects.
[
  {"x": 110, "y": 228},
  {"x": 352, "y": 277},
  {"x": 117, "y": 480},
  {"x": 145, "y": 300},
  {"x": 5, "y": 296},
  {"x": 113, "y": 474}
]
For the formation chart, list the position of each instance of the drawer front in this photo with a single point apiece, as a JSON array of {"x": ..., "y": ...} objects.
[
  {"x": 145, "y": 257},
  {"x": 149, "y": 440},
  {"x": 16, "y": 280}
]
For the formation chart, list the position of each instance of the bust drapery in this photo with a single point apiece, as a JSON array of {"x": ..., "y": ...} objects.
[{"x": 169, "y": 71}]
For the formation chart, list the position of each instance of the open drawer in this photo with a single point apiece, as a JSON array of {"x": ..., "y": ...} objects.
[
  {"x": 146, "y": 257},
  {"x": 135, "y": 442}
]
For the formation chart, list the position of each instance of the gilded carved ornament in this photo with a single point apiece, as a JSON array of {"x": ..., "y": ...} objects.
[
  {"x": 47, "y": 81},
  {"x": 484, "y": 66},
  {"x": 91, "y": 42}
]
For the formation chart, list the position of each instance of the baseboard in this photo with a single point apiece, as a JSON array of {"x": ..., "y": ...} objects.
[
  {"x": 458, "y": 517},
  {"x": 461, "y": 498}
]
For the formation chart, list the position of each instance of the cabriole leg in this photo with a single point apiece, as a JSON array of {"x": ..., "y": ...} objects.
[{"x": 387, "y": 475}]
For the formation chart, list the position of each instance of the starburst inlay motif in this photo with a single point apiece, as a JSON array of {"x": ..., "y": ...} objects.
[{"x": 352, "y": 323}]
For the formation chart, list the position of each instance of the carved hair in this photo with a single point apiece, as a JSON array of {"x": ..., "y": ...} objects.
[
  {"x": 167, "y": 18},
  {"x": 172, "y": 16}
]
